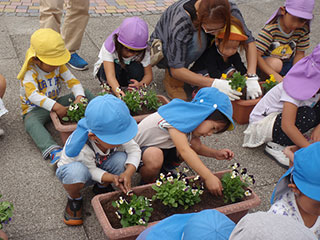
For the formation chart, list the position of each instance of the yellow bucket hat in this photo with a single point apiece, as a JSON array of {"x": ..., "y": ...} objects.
[
  {"x": 47, "y": 45},
  {"x": 235, "y": 34}
]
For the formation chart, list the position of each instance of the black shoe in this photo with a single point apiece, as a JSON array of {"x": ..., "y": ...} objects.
[
  {"x": 75, "y": 206},
  {"x": 100, "y": 190}
]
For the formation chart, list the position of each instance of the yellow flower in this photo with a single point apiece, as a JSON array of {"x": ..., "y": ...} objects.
[
  {"x": 268, "y": 81},
  {"x": 224, "y": 76},
  {"x": 272, "y": 79},
  {"x": 239, "y": 89}
]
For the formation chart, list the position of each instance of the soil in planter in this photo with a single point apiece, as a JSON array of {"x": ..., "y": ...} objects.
[
  {"x": 66, "y": 122},
  {"x": 160, "y": 211},
  {"x": 144, "y": 110}
]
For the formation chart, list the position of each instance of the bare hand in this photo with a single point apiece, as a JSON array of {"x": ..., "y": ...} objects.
[
  {"x": 289, "y": 151},
  {"x": 116, "y": 182},
  {"x": 125, "y": 181},
  {"x": 77, "y": 100},
  {"x": 224, "y": 154},
  {"x": 278, "y": 77},
  {"x": 134, "y": 84},
  {"x": 214, "y": 185},
  {"x": 60, "y": 109},
  {"x": 315, "y": 136}
]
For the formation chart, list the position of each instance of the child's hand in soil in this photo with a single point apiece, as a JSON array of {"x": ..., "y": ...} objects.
[
  {"x": 60, "y": 109},
  {"x": 78, "y": 98},
  {"x": 214, "y": 185},
  {"x": 224, "y": 154},
  {"x": 134, "y": 84},
  {"x": 125, "y": 179}
]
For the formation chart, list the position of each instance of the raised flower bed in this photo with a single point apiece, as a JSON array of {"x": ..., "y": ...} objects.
[{"x": 105, "y": 212}]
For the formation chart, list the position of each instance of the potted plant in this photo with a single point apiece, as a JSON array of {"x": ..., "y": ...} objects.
[
  {"x": 241, "y": 108},
  {"x": 6, "y": 211},
  {"x": 68, "y": 124},
  {"x": 102, "y": 205},
  {"x": 269, "y": 83},
  {"x": 141, "y": 102}
]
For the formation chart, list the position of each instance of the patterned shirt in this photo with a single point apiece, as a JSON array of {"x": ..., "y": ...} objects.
[
  {"x": 286, "y": 205},
  {"x": 41, "y": 89},
  {"x": 273, "y": 41}
]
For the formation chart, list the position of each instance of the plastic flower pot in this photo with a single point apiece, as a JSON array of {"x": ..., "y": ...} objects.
[
  {"x": 64, "y": 130},
  {"x": 161, "y": 98},
  {"x": 243, "y": 108},
  {"x": 234, "y": 211}
]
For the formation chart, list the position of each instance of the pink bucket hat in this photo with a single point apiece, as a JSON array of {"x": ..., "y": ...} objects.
[
  {"x": 297, "y": 8},
  {"x": 133, "y": 33},
  {"x": 302, "y": 82}
]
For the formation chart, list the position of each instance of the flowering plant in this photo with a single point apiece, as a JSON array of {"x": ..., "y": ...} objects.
[
  {"x": 234, "y": 184},
  {"x": 178, "y": 191},
  {"x": 135, "y": 212},
  {"x": 270, "y": 83},
  {"x": 6, "y": 209},
  {"x": 76, "y": 110},
  {"x": 237, "y": 81},
  {"x": 136, "y": 99}
]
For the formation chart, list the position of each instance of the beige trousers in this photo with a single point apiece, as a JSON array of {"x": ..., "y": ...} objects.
[{"x": 75, "y": 20}]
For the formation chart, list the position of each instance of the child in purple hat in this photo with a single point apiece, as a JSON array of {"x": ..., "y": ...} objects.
[
  {"x": 283, "y": 40},
  {"x": 288, "y": 110},
  {"x": 297, "y": 193},
  {"x": 124, "y": 59}
]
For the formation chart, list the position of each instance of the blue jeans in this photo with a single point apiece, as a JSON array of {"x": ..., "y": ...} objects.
[{"x": 77, "y": 172}]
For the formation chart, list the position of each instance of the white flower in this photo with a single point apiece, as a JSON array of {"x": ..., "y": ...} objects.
[
  {"x": 161, "y": 176},
  {"x": 194, "y": 191},
  {"x": 200, "y": 192},
  {"x": 234, "y": 175},
  {"x": 158, "y": 183},
  {"x": 118, "y": 90},
  {"x": 121, "y": 201},
  {"x": 70, "y": 108},
  {"x": 185, "y": 170},
  {"x": 70, "y": 100},
  {"x": 170, "y": 179},
  {"x": 130, "y": 211},
  {"x": 141, "y": 221},
  {"x": 118, "y": 205},
  {"x": 76, "y": 106},
  {"x": 118, "y": 215},
  {"x": 247, "y": 193},
  {"x": 196, "y": 178}
]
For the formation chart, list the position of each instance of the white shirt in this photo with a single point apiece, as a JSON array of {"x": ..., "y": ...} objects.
[
  {"x": 105, "y": 55},
  {"x": 273, "y": 102},
  {"x": 88, "y": 157}
]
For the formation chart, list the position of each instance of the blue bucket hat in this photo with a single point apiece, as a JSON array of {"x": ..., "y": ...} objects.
[
  {"x": 207, "y": 224},
  {"x": 108, "y": 118},
  {"x": 305, "y": 173},
  {"x": 187, "y": 116}
]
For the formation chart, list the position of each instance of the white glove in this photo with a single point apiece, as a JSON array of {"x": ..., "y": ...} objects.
[
  {"x": 253, "y": 88},
  {"x": 223, "y": 86}
]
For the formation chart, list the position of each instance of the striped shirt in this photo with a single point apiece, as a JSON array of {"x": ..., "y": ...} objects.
[
  {"x": 175, "y": 30},
  {"x": 41, "y": 89},
  {"x": 273, "y": 41}
]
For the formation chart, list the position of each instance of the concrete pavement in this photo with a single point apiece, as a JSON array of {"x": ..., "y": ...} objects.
[{"x": 30, "y": 183}]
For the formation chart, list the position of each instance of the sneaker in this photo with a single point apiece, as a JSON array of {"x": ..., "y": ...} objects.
[
  {"x": 101, "y": 189},
  {"x": 73, "y": 212},
  {"x": 77, "y": 62},
  {"x": 55, "y": 156},
  {"x": 276, "y": 151}
]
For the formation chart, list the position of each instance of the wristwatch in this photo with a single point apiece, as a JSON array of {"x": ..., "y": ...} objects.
[{"x": 249, "y": 75}]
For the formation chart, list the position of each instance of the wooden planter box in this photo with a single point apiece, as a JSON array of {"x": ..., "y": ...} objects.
[
  {"x": 66, "y": 130},
  {"x": 234, "y": 211}
]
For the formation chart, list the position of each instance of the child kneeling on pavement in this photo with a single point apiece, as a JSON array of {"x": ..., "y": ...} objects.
[
  {"x": 41, "y": 76},
  {"x": 90, "y": 153}
]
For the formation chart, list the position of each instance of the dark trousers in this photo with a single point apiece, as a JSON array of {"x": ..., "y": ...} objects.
[
  {"x": 306, "y": 119},
  {"x": 134, "y": 70}
]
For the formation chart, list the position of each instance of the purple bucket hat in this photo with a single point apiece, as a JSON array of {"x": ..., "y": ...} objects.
[
  {"x": 302, "y": 82},
  {"x": 297, "y": 8},
  {"x": 133, "y": 33}
]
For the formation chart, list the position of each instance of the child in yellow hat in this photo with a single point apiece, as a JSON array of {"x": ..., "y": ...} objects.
[
  {"x": 224, "y": 58},
  {"x": 41, "y": 76}
]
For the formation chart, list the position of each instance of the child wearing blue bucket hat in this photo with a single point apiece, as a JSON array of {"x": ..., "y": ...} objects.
[
  {"x": 174, "y": 133},
  {"x": 90, "y": 153},
  {"x": 205, "y": 225},
  {"x": 124, "y": 59},
  {"x": 297, "y": 194}
]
